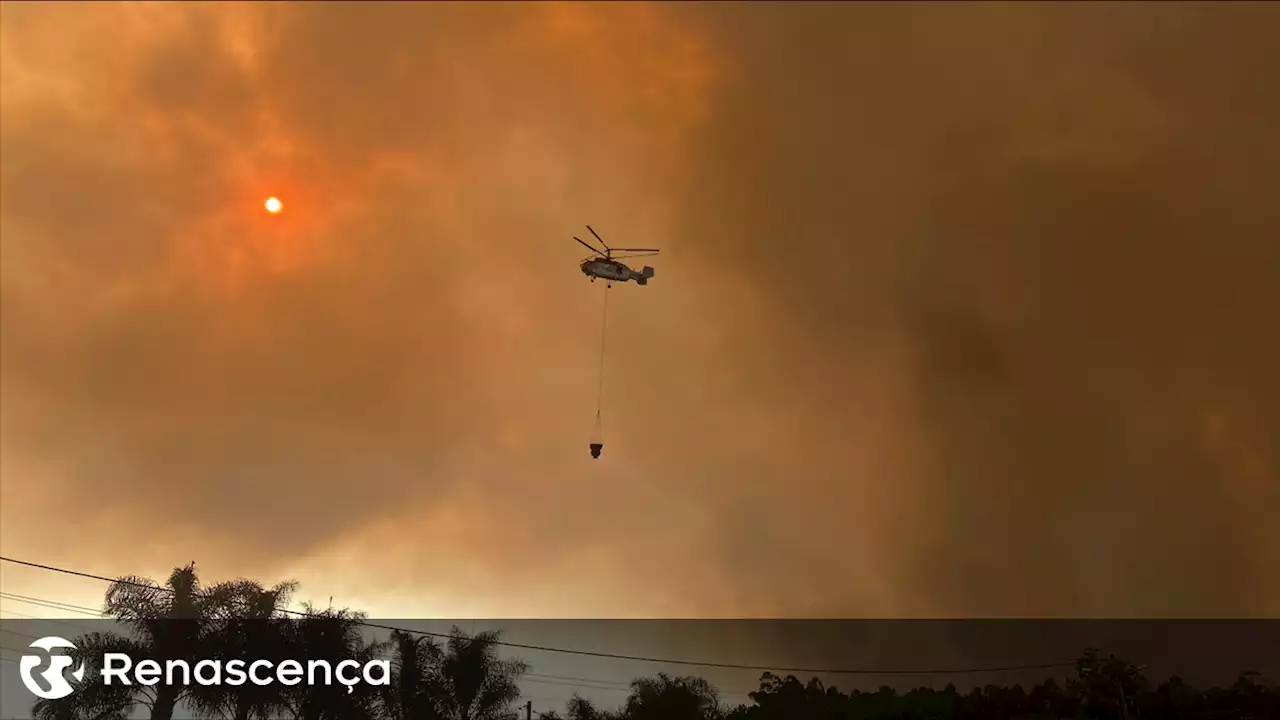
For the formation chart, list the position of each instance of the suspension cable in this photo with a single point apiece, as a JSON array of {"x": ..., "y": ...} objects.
[{"x": 604, "y": 325}]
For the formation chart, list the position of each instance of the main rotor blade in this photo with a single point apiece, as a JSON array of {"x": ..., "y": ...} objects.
[
  {"x": 643, "y": 250},
  {"x": 589, "y": 247},
  {"x": 624, "y": 257},
  {"x": 602, "y": 242}
]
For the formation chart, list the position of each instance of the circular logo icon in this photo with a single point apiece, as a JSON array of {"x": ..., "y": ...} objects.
[{"x": 54, "y": 676}]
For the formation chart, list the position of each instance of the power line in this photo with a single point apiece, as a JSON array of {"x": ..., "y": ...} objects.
[
  {"x": 15, "y": 632},
  {"x": 540, "y": 678},
  {"x": 55, "y": 621},
  {"x": 51, "y": 604},
  {"x": 589, "y": 653}
]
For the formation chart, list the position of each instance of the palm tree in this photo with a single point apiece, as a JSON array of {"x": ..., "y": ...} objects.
[
  {"x": 415, "y": 682},
  {"x": 667, "y": 698},
  {"x": 244, "y": 624},
  {"x": 95, "y": 700},
  {"x": 168, "y": 622},
  {"x": 472, "y": 683},
  {"x": 333, "y": 636},
  {"x": 579, "y": 708}
]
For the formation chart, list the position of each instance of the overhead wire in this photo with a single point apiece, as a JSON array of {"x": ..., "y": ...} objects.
[
  {"x": 591, "y": 653},
  {"x": 10, "y": 614},
  {"x": 51, "y": 604},
  {"x": 533, "y": 677},
  {"x": 537, "y": 678}
]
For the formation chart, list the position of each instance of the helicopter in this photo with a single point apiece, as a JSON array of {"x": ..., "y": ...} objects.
[{"x": 605, "y": 266}]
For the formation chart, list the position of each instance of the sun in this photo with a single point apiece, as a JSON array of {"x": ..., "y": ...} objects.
[{"x": 274, "y": 205}]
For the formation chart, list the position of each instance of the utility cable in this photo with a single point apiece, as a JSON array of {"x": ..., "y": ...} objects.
[
  {"x": 604, "y": 326},
  {"x": 589, "y": 653}
]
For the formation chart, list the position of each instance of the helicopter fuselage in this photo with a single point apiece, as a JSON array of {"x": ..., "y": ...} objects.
[
  {"x": 614, "y": 271},
  {"x": 606, "y": 270}
]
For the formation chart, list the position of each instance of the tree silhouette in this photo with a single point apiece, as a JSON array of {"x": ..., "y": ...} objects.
[
  {"x": 95, "y": 699},
  {"x": 473, "y": 682},
  {"x": 464, "y": 678},
  {"x": 245, "y": 623},
  {"x": 167, "y": 622},
  {"x": 415, "y": 685},
  {"x": 667, "y": 698},
  {"x": 579, "y": 708},
  {"x": 334, "y": 636},
  {"x": 1107, "y": 687}
]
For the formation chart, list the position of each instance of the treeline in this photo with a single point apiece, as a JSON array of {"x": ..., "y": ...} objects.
[{"x": 463, "y": 677}]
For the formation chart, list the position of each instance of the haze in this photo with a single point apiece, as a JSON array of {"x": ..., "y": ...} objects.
[{"x": 962, "y": 310}]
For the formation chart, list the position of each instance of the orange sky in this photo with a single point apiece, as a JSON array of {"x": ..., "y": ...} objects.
[{"x": 960, "y": 310}]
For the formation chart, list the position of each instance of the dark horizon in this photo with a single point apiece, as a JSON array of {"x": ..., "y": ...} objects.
[
  {"x": 1203, "y": 653},
  {"x": 728, "y": 669}
]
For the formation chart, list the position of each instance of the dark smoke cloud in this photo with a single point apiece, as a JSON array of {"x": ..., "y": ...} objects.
[{"x": 962, "y": 310}]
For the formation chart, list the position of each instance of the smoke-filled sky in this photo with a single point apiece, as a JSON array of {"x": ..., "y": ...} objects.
[{"x": 961, "y": 310}]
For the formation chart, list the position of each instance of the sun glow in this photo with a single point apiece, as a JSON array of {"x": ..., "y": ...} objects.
[{"x": 274, "y": 205}]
